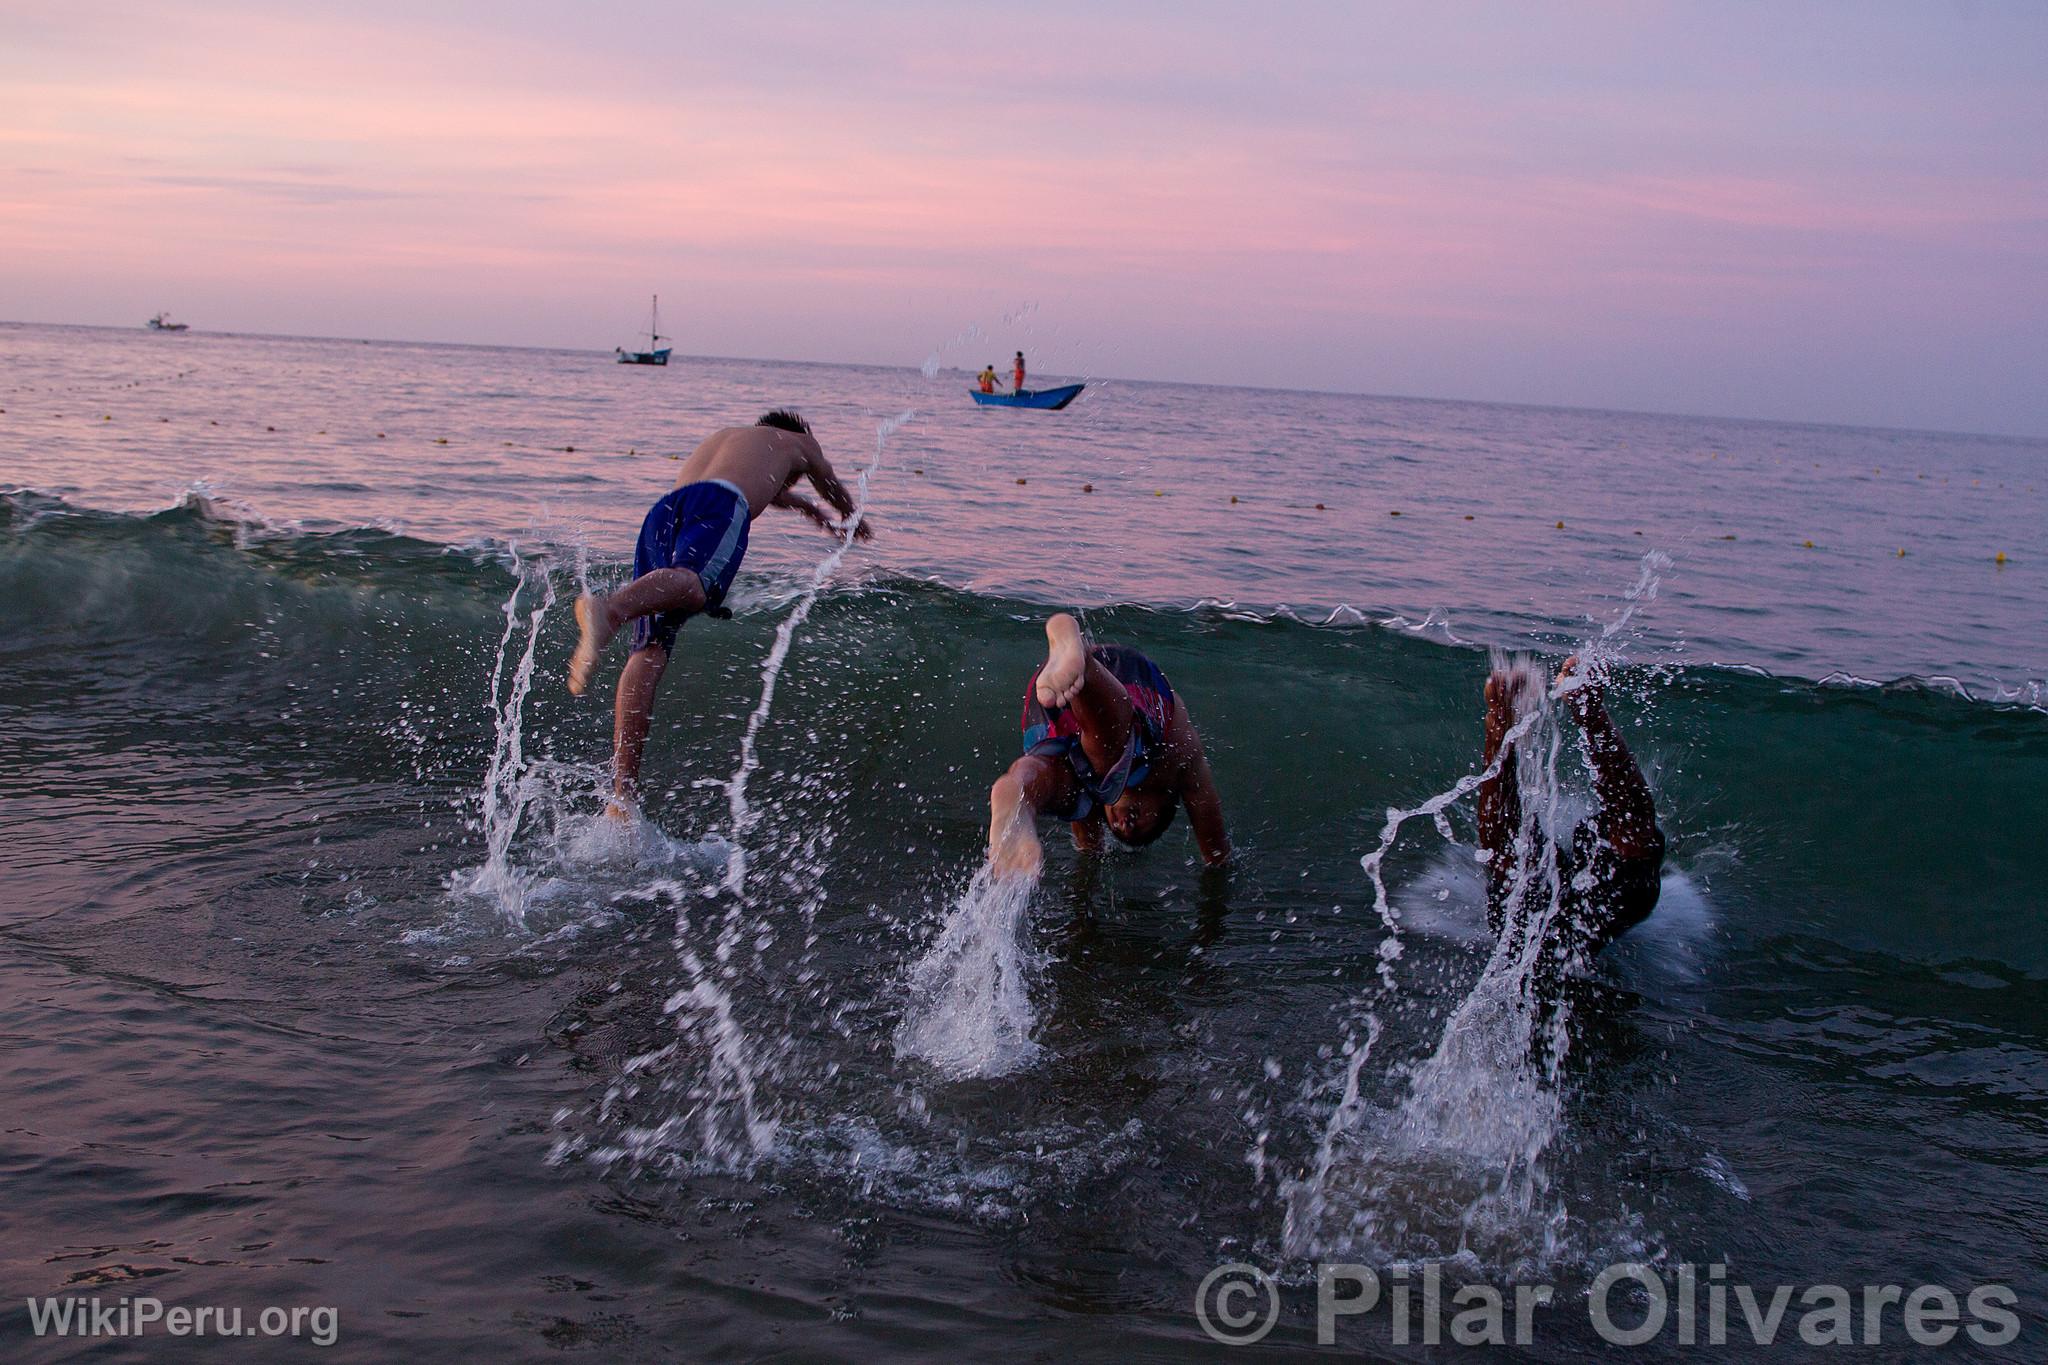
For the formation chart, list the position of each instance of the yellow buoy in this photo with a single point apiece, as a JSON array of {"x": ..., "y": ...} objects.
[
  {"x": 1020, "y": 483},
  {"x": 1468, "y": 516},
  {"x": 1090, "y": 488},
  {"x": 1902, "y": 554},
  {"x": 1809, "y": 544},
  {"x": 440, "y": 440},
  {"x": 1560, "y": 526},
  {"x": 1999, "y": 558},
  {"x": 1233, "y": 498}
]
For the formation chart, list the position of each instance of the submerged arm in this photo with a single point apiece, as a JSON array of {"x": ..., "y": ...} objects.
[{"x": 1205, "y": 809}]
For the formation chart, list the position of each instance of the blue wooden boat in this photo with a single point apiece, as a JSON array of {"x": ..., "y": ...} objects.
[
  {"x": 1055, "y": 399},
  {"x": 656, "y": 353}
]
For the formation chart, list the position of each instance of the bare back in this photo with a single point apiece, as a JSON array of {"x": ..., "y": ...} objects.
[{"x": 759, "y": 461}]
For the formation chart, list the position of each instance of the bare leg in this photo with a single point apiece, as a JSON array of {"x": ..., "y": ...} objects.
[
  {"x": 1628, "y": 815},
  {"x": 1014, "y": 801},
  {"x": 630, "y": 719},
  {"x": 1076, "y": 679},
  {"x": 599, "y": 615},
  {"x": 1500, "y": 796}
]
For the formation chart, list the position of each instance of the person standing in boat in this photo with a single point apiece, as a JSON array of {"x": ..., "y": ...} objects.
[
  {"x": 987, "y": 378},
  {"x": 1020, "y": 372}
]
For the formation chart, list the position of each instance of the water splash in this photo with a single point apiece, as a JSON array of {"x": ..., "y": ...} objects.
[
  {"x": 734, "y": 1125},
  {"x": 743, "y": 815},
  {"x": 509, "y": 785},
  {"x": 1461, "y": 1163},
  {"x": 1458, "y": 1164},
  {"x": 970, "y": 994}
]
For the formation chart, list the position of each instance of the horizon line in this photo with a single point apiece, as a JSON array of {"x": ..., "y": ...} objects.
[{"x": 2040, "y": 438}]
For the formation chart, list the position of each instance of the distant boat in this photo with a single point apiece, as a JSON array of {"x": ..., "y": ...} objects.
[
  {"x": 1055, "y": 399},
  {"x": 162, "y": 323},
  {"x": 656, "y": 353}
]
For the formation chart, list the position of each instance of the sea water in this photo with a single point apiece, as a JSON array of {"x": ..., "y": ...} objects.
[{"x": 329, "y": 980}]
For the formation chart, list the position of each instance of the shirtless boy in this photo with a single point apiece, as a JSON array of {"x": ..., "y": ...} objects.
[
  {"x": 1107, "y": 744},
  {"x": 690, "y": 547}
]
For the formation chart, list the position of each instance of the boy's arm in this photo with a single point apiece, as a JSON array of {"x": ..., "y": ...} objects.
[
  {"x": 819, "y": 471},
  {"x": 798, "y": 502},
  {"x": 1205, "y": 807}
]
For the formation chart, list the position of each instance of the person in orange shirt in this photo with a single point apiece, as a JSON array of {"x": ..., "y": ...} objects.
[{"x": 1020, "y": 372}]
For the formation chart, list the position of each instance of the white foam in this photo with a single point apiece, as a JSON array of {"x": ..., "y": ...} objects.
[{"x": 970, "y": 1012}]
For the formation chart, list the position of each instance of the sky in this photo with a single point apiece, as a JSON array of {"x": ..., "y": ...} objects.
[{"x": 1817, "y": 210}]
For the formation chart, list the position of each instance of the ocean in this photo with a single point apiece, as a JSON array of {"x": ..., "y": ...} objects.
[{"x": 324, "y": 984}]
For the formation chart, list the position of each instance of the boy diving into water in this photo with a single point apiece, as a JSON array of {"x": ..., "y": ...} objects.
[
  {"x": 1106, "y": 743},
  {"x": 691, "y": 545},
  {"x": 1607, "y": 872}
]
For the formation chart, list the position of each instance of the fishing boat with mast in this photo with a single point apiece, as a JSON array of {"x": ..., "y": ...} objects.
[
  {"x": 162, "y": 323},
  {"x": 656, "y": 353}
]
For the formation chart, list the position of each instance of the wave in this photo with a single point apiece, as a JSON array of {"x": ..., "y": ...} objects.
[{"x": 50, "y": 548}]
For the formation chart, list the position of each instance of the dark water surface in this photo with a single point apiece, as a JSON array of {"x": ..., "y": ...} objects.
[{"x": 321, "y": 985}]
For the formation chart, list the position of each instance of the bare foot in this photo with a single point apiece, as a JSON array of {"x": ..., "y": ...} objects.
[
  {"x": 597, "y": 629},
  {"x": 1066, "y": 662},
  {"x": 1577, "y": 685},
  {"x": 619, "y": 810},
  {"x": 1504, "y": 689}
]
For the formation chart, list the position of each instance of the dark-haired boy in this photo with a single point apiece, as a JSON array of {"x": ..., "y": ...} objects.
[
  {"x": 1107, "y": 744},
  {"x": 690, "y": 546}
]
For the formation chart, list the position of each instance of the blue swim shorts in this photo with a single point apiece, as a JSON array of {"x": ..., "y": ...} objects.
[{"x": 701, "y": 527}]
